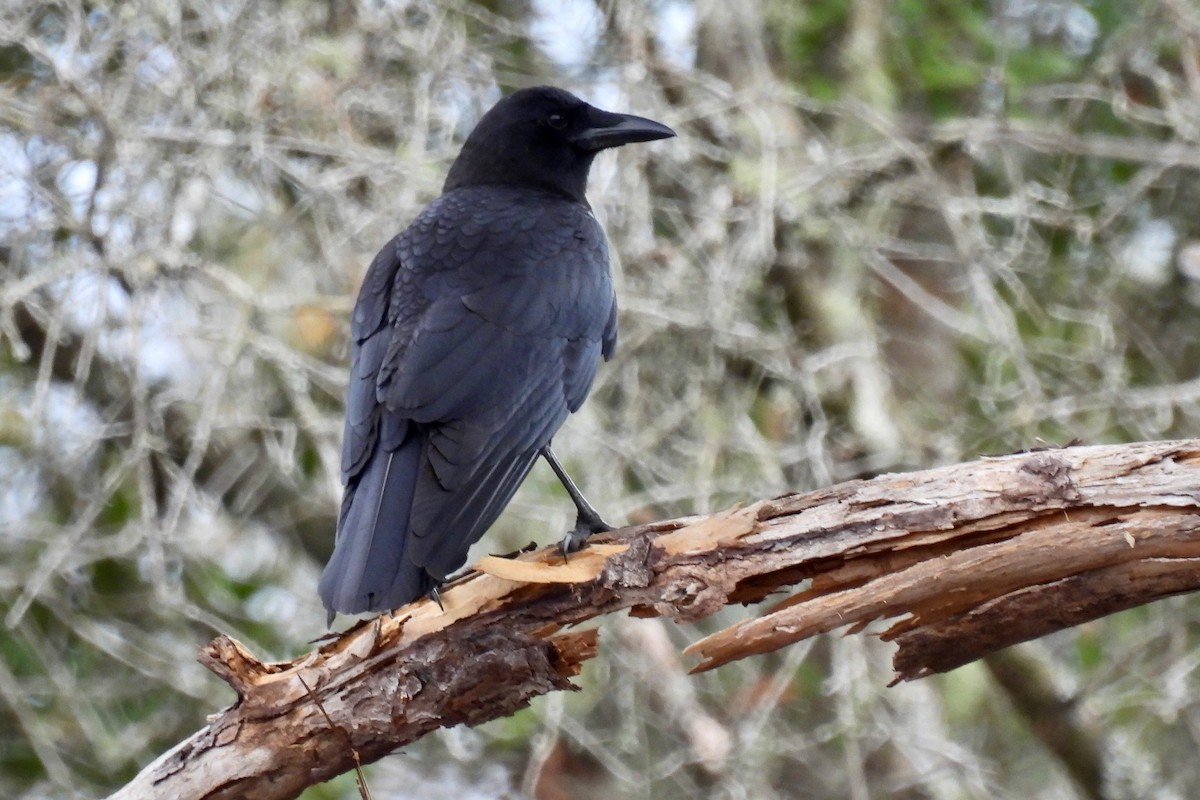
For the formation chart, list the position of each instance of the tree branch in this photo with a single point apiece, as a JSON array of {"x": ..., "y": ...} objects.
[{"x": 967, "y": 559}]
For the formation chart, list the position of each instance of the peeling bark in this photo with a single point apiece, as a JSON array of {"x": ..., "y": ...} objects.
[{"x": 966, "y": 559}]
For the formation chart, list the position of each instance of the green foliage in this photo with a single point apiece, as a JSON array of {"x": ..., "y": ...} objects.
[{"x": 941, "y": 55}]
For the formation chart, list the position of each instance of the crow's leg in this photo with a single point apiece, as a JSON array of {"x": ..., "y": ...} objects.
[{"x": 587, "y": 519}]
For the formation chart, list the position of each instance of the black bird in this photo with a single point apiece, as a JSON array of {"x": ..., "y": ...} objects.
[{"x": 477, "y": 331}]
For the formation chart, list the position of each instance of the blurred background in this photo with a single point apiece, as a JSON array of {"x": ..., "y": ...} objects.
[{"x": 890, "y": 235}]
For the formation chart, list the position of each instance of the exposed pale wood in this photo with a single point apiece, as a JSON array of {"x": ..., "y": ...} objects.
[{"x": 964, "y": 560}]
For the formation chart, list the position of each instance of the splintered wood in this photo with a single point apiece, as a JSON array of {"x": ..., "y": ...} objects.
[
  {"x": 950, "y": 563},
  {"x": 975, "y": 557}
]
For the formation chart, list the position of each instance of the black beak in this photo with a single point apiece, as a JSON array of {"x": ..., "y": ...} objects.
[{"x": 606, "y": 129}]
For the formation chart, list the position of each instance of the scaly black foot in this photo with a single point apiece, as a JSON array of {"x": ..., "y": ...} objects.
[
  {"x": 585, "y": 526},
  {"x": 587, "y": 520}
]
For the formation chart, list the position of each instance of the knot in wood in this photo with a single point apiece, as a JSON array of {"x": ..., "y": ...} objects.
[
  {"x": 692, "y": 594},
  {"x": 1054, "y": 479},
  {"x": 1056, "y": 471}
]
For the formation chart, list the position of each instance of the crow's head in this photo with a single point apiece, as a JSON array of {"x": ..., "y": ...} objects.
[{"x": 544, "y": 137}]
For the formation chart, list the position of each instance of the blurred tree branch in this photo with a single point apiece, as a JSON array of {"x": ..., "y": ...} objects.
[
  {"x": 1052, "y": 718},
  {"x": 968, "y": 558},
  {"x": 108, "y": 383}
]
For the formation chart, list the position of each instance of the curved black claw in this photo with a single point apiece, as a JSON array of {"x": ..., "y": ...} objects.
[
  {"x": 435, "y": 594},
  {"x": 585, "y": 526}
]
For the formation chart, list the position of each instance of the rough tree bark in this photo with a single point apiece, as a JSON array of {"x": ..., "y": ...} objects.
[{"x": 967, "y": 559}]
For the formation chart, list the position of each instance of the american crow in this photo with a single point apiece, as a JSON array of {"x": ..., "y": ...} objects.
[{"x": 477, "y": 331}]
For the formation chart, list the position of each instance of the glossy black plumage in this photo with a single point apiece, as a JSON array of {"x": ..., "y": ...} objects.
[{"x": 476, "y": 332}]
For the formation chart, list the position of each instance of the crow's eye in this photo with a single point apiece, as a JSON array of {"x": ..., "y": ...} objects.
[{"x": 557, "y": 121}]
